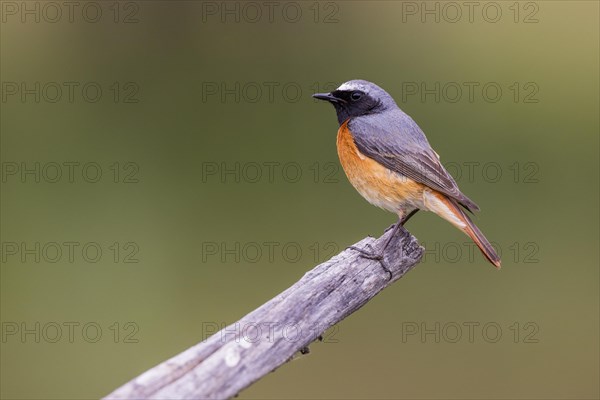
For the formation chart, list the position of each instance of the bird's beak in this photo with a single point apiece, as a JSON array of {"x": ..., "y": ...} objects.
[{"x": 328, "y": 97}]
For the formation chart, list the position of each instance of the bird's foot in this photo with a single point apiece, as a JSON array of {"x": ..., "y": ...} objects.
[
  {"x": 392, "y": 226},
  {"x": 372, "y": 255}
]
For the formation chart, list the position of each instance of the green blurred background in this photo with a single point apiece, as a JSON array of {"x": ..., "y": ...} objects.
[{"x": 168, "y": 128}]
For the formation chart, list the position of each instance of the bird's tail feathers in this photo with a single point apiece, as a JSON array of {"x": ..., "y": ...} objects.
[{"x": 453, "y": 213}]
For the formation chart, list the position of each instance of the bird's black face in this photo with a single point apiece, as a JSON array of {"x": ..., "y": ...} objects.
[{"x": 351, "y": 103}]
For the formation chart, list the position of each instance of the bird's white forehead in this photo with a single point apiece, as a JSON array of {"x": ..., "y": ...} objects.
[{"x": 352, "y": 86}]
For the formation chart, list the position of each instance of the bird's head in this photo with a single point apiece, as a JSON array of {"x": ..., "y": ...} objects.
[{"x": 356, "y": 98}]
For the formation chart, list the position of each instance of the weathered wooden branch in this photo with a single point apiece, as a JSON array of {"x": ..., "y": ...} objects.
[{"x": 235, "y": 357}]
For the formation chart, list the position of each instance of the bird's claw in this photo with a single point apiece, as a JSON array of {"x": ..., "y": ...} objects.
[
  {"x": 389, "y": 228},
  {"x": 371, "y": 255}
]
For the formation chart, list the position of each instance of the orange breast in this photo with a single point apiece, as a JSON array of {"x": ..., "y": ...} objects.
[{"x": 380, "y": 186}]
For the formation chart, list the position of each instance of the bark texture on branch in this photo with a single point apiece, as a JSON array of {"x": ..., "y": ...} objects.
[{"x": 225, "y": 363}]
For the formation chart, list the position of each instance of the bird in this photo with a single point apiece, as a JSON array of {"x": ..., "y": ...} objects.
[{"x": 389, "y": 161}]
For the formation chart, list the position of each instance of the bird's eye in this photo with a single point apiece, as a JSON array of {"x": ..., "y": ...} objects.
[{"x": 356, "y": 95}]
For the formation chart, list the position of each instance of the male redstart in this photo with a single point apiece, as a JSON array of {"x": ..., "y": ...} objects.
[{"x": 388, "y": 159}]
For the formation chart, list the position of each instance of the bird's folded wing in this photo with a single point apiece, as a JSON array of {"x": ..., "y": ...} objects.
[{"x": 408, "y": 153}]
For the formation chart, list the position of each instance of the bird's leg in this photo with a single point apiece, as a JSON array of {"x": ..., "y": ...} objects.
[
  {"x": 403, "y": 220},
  {"x": 408, "y": 216}
]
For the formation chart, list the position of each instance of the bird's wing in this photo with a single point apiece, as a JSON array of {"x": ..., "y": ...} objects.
[{"x": 401, "y": 146}]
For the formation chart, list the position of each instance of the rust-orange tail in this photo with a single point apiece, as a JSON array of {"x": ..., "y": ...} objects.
[{"x": 452, "y": 212}]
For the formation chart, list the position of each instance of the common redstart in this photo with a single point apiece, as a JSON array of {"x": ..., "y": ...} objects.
[{"x": 389, "y": 161}]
